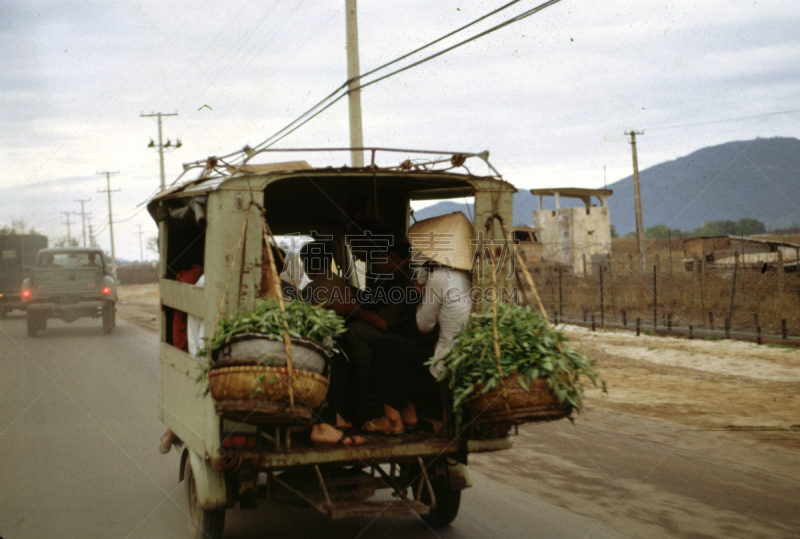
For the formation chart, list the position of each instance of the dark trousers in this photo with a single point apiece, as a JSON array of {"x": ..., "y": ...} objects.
[
  {"x": 340, "y": 399},
  {"x": 398, "y": 373}
]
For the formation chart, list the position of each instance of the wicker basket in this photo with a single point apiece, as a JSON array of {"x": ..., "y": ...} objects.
[
  {"x": 234, "y": 387},
  {"x": 497, "y": 410}
]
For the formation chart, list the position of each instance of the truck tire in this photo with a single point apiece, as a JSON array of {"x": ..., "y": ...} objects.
[
  {"x": 108, "y": 318},
  {"x": 447, "y": 503},
  {"x": 33, "y": 324},
  {"x": 203, "y": 524}
]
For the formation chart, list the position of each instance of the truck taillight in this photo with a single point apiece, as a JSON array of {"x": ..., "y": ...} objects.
[
  {"x": 239, "y": 441},
  {"x": 26, "y": 294},
  {"x": 106, "y": 290}
]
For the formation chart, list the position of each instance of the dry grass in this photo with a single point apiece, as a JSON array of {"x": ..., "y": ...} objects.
[
  {"x": 139, "y": 293},
  {"x": 680, "y": 294}
]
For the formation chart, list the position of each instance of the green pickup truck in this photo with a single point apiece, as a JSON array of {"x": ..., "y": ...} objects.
[{"x": 69, "y": 283}]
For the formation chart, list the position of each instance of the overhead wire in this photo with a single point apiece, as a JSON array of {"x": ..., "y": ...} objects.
[{"x": 288, "y": 129}]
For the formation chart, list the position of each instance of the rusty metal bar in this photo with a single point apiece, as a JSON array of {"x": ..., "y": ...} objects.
[
  {"x": 322, "y": 486},
  {"x": 302, "y": 496},
  {"x": 427, "y": 482}
]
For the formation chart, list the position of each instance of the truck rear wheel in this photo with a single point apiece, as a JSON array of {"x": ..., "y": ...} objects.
[
  {"x": 203, "y": 524},
  {"x": 447, "y": 503},
  {"x": 108, "y": 318}
]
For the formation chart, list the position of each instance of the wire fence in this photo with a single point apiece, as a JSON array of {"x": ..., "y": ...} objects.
[{"x": 750, "y": 302}]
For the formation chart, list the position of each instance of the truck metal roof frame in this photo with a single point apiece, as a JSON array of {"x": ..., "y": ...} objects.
[{"x": 219, "y": 171}]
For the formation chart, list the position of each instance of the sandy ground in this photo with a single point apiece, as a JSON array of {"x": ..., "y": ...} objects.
[
  {"x": 696, "y": 384},
  {"x": 693, "y": 439},
  {"x": 138, "y": 303}
]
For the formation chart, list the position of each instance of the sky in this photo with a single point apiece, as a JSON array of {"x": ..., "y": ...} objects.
[{"x": 549, "y": 96}]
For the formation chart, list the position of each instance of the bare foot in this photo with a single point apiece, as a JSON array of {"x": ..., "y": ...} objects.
[
  {"x": 409, "y": 415},
  {"x": 384, "y": 425},
  {"x": 322, "y": 433}
]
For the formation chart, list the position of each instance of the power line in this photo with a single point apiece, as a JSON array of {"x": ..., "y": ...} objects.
[
  {"x": 753, "y": 117},
  {"x": 331, "y": 97}
]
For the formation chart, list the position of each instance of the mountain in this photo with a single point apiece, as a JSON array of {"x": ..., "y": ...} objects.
[{"x": 758, "y": 179}]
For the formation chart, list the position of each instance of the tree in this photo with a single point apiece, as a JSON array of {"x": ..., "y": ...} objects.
[
  {"x": 62, "y": 242},
  {"x": 614, "y": 233},
  {"x": 742, "y": 227},
  {"x": 18, "y": 226},
  {"x": 745, "y": 227},
  {"x": 662, "y": 231}
]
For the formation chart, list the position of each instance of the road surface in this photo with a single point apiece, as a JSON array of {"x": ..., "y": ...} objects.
[{"x": 79, "y": 433}]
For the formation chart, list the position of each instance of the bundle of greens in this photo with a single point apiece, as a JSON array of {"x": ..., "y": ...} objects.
[
  {"x": 529, "y": 350},
  {"x": 305, "y": 322}
]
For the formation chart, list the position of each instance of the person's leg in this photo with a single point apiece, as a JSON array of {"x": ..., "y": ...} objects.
[
  {"x": 359, "y": 341},
  {"x": 339, "y": 390}
]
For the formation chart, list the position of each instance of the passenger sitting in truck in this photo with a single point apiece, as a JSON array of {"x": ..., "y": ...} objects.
[
  {"x": 92, "y": 261},
  {"x": 328, "y": 289},
  {"x": 398, "y": 371},
  {"x": 392, "y": 301}
]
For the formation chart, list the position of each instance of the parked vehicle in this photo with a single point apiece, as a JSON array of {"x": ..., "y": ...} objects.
[
  {"x": 17, "y": 255},
  {"x": 70, "y": 283},
  {"x": 215, "y": 221}
]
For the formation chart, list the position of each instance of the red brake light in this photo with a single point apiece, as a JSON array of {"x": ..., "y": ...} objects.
[
  {"x": 26, "y": 294},
  {"x": 106, "y": 290}
]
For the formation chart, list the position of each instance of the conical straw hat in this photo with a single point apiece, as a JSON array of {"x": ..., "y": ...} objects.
[{"x": 445, "y": 240}]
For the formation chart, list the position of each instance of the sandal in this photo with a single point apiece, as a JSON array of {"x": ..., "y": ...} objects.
[{"x": 373, "y": 428}]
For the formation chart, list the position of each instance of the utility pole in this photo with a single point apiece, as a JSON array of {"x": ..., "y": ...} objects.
[
  {"x": 69, "y": 232},
  {"x": 91, "y": 235},
  {"x": 637, "y": 198},
  {"x": 108, "y": 190},
  {"x": 353, "y": 93},
  {"x": 161, "y": 146},
  {"x": 83, "y": 218},
  {"x": 141, "y": 255}
]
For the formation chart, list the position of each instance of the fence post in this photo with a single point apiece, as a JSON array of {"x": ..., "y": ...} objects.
[
  {"x": 658, "y": 264},
  {"x": 638, "y": 326},
  {"x": 700, "y": 264},
  {"x": 655, "y": 298},
  {"x": 560, "y": 297},
  {"x": 584, "y": 314},
  {"x": 669, "y": 322},
  {"x": 630, "y": 265},
  {"x": 624, "y": 318},
  {"x": 780, "y": 272},
  {"x": 729, "y": 321},
  {"x": 594, "y": 328},
  {"x": 758, "y": 328},
  {"x": 602, "y": 303},
  {"x": 711, "y": 320},
  {"x": 784, "y": 332},
  {"x": 691, "y": 331}
]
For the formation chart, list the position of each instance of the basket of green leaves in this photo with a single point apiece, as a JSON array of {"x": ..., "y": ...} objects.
[
  {"x": 266, "y": 366},
  {"x": 536, "y": 376}
]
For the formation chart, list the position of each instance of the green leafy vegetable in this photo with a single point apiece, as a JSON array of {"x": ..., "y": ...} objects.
[
  {"x": 529, "y": 349},
  {"x": 304, "y": 321}
]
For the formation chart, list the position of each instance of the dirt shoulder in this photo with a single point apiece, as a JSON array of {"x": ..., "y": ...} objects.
[{"x": 139, "y": 305}]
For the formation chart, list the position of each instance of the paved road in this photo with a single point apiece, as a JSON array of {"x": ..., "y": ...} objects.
[{"x": 78, "y": 440}]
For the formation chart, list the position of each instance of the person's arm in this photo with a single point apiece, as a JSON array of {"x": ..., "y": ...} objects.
[{"x": 428, "y": 309}]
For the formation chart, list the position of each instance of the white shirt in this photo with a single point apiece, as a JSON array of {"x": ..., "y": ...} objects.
[
  {"x": 445, "y": 301},
  {"x": 195, "y": 326}
]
